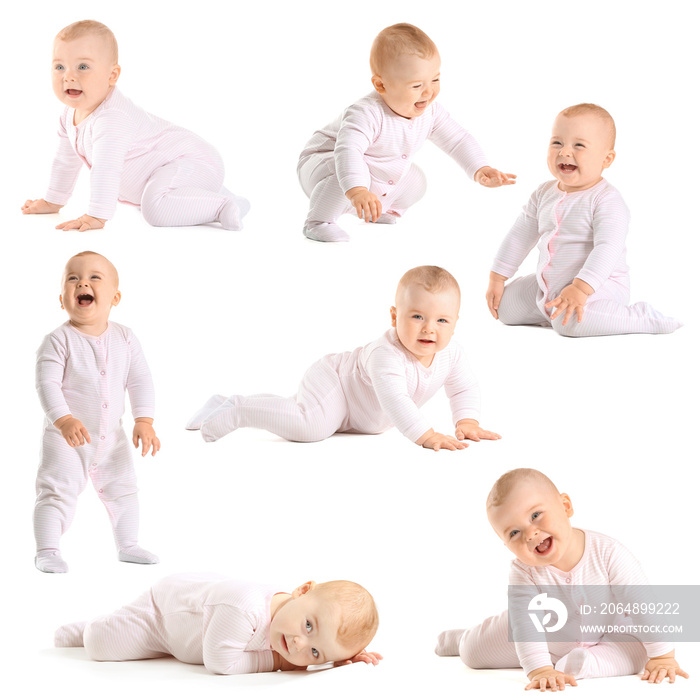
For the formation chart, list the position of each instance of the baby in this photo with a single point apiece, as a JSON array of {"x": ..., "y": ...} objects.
[
  {"x": 362, "y": 161},
  {"x": 173, "y": 175},
  {"x": 82, "y": 370},
  {"x": 532, "y": 518},
  {"x": 234, "y": 626},
  {"x": 374, "y": 387},
  {"x": 579, "y": 223}
]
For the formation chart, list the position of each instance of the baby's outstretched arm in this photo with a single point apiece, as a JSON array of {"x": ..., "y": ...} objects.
[
  {"x": 571, "y": 300},
  {"x": 490, "y": 177},
  {"x": 494, "y": 293},
  {"x": 369, "y": 657},
  {"x": 546, "y": 677},
  {"x": 82, "y": 223},
  {"x": 72, "y": 430},
  {"x": 40, "y": 206},
  {"x": 660, "y": 667},
  {"x": 468, "y": 429},
  {"x": 144, "y": 432},
  {"x": 366, "y": 203}
]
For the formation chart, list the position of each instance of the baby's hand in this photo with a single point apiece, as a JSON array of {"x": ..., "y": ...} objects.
[
  {"x": 143, "y": 431},
  {"x": 82, "y": 223},
  {"x": 494, "y": 292},
  {"x": 661, "y": 667},
  {"x": 468, "y": 429},
  {"x": 366, "y": 203},
  {"x": 72, "y": 430},
  {"x": 437, "y": 441},
  {"x": 571, "y": 300},
  {"x": 40, "y": 206},
  {"x": 490, "y": 177},
  {"x": 547, "y": 678},
  {"x": 369, "y": 657}
]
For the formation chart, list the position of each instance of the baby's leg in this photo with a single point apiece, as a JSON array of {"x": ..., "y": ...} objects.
[
  {"x": 518, "y": 305},
  {"x": 604, "y": 660},
  {"x": 114, "y": 480},
  {"x": 327, "y": 200},
  {"x": 189, "y": 191},
  {"x": 127, "y": 634},
  {"x": 410, "y": 189},
  {"x": 316, "y": 412},
  {"x": 483, "y": 646},
  {"x": 60, "y": 480}
]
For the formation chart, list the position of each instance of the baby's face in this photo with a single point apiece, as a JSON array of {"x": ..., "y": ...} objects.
[
  {"x": 425, "y": 321},
  {"x": 83, "y": 73},
  {"x": 409, "y": 84},
  {"x": 579, "y": 151},
  {"x": 533, "y": 523},
  {"x": 89, "y": 291},
  {"x": 304, "y": 630}
]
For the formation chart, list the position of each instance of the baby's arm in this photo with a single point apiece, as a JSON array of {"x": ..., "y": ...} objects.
[
  {"x": 142, "y": 398},
  {"x": 660, "y": 667},
  {"x": 494, "y": 293}
]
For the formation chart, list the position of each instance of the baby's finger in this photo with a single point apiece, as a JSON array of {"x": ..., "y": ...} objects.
[
  {"x": 156, "y": 446},
  {"x": 488, "y": 435},
  {"x": 568, "y": 314},
  {"x": 84, "y": 431},
  {"x": 579, "y": 314}
]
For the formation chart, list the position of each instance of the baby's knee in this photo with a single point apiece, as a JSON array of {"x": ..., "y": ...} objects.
[
  {"x": 95, "y": 641},
  {"x": 572, "y": 329}
]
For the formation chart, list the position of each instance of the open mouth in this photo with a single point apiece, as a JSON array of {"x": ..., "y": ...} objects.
[
  {"x": 85, "y": 299},
  {"x": 425, "y": 342},
  {"x": 421, "y": 105},
  {"x": 544, "y": 546},
  {"x": 285, "y": 646},
  {"x": 567, "y": 167},
  {"x": 73, "y": 92}
]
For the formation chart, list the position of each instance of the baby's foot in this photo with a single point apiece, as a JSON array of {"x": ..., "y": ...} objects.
[
  {"x": 137, "y": 555},
  {"x": 50, "y": 562},
  {"x": 221, "y": 421},
  {"x": 448, "y": 643},
  {"x": 388, "y": 217},
  {"x": 233, "y": 211},
  {"x": 195, "y": 423},
  {"x": 325, "y": 232},
  {"x": 572, "y": 663},
  {"x": 69, "y": 635}
]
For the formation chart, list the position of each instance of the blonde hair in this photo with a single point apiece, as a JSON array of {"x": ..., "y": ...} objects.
[
  {"x": 397, "y": 40},
  {"x": 596, "y": 111},
  {"x": 505, "y": 483},
  {"x": 433, "y": 279},
  {"x": 359, "y": 618},
  {"x": 92, "y": 252},
  {"x": 86, "y": 27}
]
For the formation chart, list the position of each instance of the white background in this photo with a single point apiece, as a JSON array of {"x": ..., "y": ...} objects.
[{"x": 611, "y": 420}]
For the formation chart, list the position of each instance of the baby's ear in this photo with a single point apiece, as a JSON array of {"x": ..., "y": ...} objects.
[
  {"x": 60, "y": 300},
  {"x": 304, "y": 588},
  {"x": 378, "y": 83},
  {"x": 117, "y": 298},
  {"x": 392, "y": 311}
]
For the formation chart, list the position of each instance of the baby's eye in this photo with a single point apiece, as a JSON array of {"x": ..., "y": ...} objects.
[
  {"x": 58, "y": 66},
  {"x": 417, "y": 316},
  {"x": 314, "y": 652},
  {"x": 96, "y": 277},
  {"x": 536, "y": 514},
  {"x": 556, "y": 143},
  {"x": 443, "y": 320},
  {"x": 436, "y": 80},
  {"x": 580, "y": 145},
  {"x": 309, "y": 626},
  {"x": 83, "y": 66},
  {"x": 513, "y": 533},
  {"x": 415, "y": 87}
]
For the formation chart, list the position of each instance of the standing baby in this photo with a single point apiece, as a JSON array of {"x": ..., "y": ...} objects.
[
  {"x": 82, "y": 371},
  {"x": 361, "y": 161},
  {"x": 134, "y": 157}
]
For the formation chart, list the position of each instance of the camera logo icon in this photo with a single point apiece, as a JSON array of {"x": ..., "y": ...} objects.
[{"x": 543, "y": 603}]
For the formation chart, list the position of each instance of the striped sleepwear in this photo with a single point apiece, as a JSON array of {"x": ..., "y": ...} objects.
[
  {"x": 577, "y": 234},
  {"x": 134, "y": 157},
  {"x": 86, "y": 376},
  {"x": 605, "y": 562},
  {"x": 371, "y": 146},
  {"x": 197, "y": 618},
  {"x": 367, "y": 391}
]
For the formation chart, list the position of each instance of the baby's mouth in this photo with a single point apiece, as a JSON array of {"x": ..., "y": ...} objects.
[
  {"x": 425, "y": 340},
  {"x": 567, "y": 167},
  {"x": 85, "y": 299},
  {"x": 544, "y": 546},
  {"x": 73, "y": 92},
  {"x": 421, "y": 105},
  {"x": 284, "y": 644}
]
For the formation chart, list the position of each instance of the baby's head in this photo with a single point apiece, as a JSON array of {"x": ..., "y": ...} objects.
[
  {"x": 426, "y": 311},
  {"x": 405, "y": 67},
  {"x": 529, "y": 514},
  {"x": 85, "y": 65},
  {"x": 324, "y": 622},
  {"x": 581, "y": 147},
  {"x": 89, "y": 290}
]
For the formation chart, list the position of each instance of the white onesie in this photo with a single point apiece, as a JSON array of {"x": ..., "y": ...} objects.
[
  {"x": 197, "y": 618},
  {"x": 371, "y": 146},
  {"x": 604, "y": 562},
  {"x": 367, "y": 391},
  {"x": 86, "y": 376},
  {"x": 134, "y": 157},
  {"x": 577, "y": 234}
]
